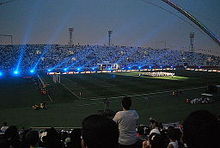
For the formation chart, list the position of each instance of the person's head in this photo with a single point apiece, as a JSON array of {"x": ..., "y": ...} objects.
[
  {"x": 52, "y": 138},
  {"x": 172, "y": 134},
  {"x": 201, "y": 130},
  {"x": 126, "y": 103},
  {"x": 99, "y": 132},
  {"x": 11, "y": 132},
  {"x": 156, "y": 140},
  {"x": 32, "y": 138},
  {"x": 153, "y": 124},
  {"x": 178, "y": 133}
]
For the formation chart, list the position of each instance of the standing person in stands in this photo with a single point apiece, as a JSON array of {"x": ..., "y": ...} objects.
[
  {"x": 201, "y": 130},
  {"x": 127, "y": 121},
  {"x": 99, "y": 132}
]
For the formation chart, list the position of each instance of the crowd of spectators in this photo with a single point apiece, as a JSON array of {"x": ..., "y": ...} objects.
[
  {"x": 201, "y": 100},
  {"x": 199, "y": 130},
  {"x": 61, "y": 56}
]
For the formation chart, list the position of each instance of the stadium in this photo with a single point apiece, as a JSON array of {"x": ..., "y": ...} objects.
[{"x": 55, "y": 84}]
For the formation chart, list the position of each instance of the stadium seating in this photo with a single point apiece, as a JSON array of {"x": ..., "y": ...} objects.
[{"x": 43, "y": 57}]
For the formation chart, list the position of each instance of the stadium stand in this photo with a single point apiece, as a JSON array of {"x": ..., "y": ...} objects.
[{"x": 86, "y": 56}]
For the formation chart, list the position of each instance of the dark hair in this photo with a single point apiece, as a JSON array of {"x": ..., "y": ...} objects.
[
  {"x": 13, "y": 137},
  {"x": 99, "y": 132},
  {"x": 172, "y": 134},
  {"x": 32, "y": 138},
  {"x": 52, "y": 140},
  {"x": 201, "y": 130},
  {"x": 178, "y": 134},
  {"x": 75, "y": 138},
  {"x": 126, "y": 103},
  {"x": 152, "y": 121},
  {"x": 156, "y": 140}
]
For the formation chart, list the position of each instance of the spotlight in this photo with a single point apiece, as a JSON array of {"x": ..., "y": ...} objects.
[
  {"x": 49, "y": 70},
  {"x": 129, "y": 67},
  {"x": 65, "y": 69},
  {"x": 1, "y": 74},
  {"x": 16, "y": 72},
  {"x": 32, "y": 71},
  {"x": 150, "y": 67},
  {"x": 78, "y": 69},
  {"x": 139, "y": 67}
]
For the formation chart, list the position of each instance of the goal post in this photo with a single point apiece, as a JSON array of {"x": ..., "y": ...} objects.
[{"x": 56, "y": 78}]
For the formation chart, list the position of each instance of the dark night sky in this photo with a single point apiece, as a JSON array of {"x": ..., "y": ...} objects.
[{"x": 133, "y": 22}]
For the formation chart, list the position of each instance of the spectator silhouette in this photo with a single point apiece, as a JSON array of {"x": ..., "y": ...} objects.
[
  {"x": 201, "y": 130},
  {"x": 32, "y": 139},
  {"x": 12, "y": 137},
  {"x": 52, "y": 139},
  {"x": 99, "y": 132},
  {"x": 127, "y": 121}
]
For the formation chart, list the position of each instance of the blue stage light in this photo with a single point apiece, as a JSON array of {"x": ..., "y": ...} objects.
[
  {"x": 129, "y": 67},
  {"x": 94, "y": 68},
  {"x": 161, "y": 66},
  {"x": 139, "y": 67},
  {"x": 150, "y": 67},
  {"x": 16, "y": 72},
  {"x": 78, "y": 69},
  {"x": 32, "y": 71},
  {"x": 65, "y": 69},
  {"x": 49, "y": 70},
  {"x": 1, "y": 74}
]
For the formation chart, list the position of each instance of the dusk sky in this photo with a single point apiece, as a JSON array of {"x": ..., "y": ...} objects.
[{"x": 133, "y": 22}]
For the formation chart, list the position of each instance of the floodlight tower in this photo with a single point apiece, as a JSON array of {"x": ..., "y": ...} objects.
[
  {"x": 191, "y": 46},
  {"x": 11, "y": 37},
  {"x": 71, "y": 36},
  {"x": 109, "y": 37}
]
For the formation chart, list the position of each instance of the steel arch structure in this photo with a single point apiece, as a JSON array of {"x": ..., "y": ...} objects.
[{"x": 194, "y": 20}]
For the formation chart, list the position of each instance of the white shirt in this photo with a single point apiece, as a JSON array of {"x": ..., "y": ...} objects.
[
  {"x": 155, "y": 130},
  {"x": 127, "y": 122},
  {"x": 4, "y": 128}
]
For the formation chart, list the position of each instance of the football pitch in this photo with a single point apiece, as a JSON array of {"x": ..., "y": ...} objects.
[{"x": 78, "y": 96}]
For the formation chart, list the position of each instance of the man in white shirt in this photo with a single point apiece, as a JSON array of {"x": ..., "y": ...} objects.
[
  {"x": 154, "y": 125},
  {"x": 127, "y": 121}
]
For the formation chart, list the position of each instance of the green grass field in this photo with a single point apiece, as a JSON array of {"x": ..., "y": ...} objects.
[{"x": 151, "y": 97}]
